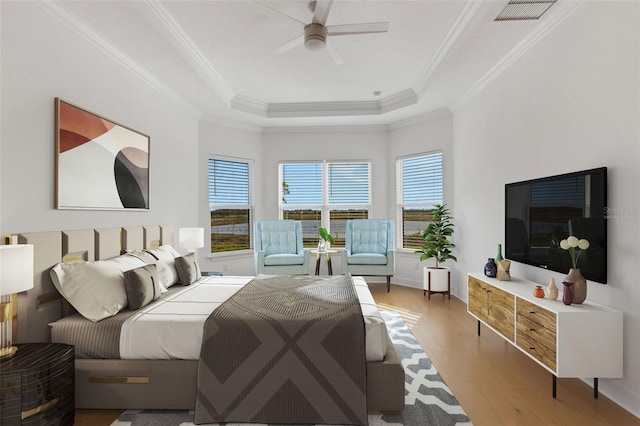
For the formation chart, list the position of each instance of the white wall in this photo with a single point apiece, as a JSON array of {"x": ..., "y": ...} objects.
[
  {"x": 42, "y": 59},
  {"x": 570, "y": 103}
]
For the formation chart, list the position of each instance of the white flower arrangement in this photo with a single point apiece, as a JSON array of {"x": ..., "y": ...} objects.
[{"x": 575, "y": 247}]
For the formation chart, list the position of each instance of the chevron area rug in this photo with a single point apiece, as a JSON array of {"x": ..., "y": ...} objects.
[{"x": 428, "y": 400}]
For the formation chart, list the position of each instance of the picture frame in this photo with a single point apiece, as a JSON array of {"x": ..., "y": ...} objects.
[{"x": 99, "y": 163}]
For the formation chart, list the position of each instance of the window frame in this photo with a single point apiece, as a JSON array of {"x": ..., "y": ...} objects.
[
  {"x": 250, "y": 207},
  {"x": 325, "y": 207},
  {"x": 424, "y": 204}
]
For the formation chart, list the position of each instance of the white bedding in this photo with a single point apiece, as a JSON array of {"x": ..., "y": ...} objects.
[{"x": 171, "y": 327}]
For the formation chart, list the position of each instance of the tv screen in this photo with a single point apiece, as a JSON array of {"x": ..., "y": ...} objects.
[{"x": 540, "y": 213}]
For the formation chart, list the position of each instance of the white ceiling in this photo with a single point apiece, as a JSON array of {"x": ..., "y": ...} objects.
[{"x": 217, "y": 56}]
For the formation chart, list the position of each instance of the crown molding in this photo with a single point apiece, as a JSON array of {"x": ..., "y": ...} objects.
[
  {"x": 56, "y": 10},
  {"x": 563, "y": 11},
  {"x": 175, "y": 34},
  {"x": 459, "y": 27},
  {"x": 249, "y": 105},
  {"x": 324, "y": 129},
  {"x": 397, "y": 101}
]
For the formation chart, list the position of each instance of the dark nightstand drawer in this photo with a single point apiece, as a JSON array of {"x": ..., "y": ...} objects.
[{"x": 37, "y": 385}]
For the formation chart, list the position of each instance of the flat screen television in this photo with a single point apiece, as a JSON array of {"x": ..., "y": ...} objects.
[{"x": 540, "y": 213}]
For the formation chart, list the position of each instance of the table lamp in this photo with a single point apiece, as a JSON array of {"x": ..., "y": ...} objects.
[
  {"x": 16, "y": 275},
  {"x": 191, "y": 239}
]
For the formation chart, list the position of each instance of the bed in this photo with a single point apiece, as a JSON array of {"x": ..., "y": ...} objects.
[{"x": 144, "y": 380}]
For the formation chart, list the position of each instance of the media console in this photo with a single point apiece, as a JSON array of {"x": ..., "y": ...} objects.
[{"x": 577, "y": 341}]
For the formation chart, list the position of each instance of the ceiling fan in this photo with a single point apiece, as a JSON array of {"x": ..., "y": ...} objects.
[{"x": 316, "y": 33}]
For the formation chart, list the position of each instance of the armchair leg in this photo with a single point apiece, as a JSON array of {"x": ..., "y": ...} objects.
[{"x": 388, "y": 283}]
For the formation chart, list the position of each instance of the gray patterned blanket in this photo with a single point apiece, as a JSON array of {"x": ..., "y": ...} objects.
[{"x": 285, "y": 349}]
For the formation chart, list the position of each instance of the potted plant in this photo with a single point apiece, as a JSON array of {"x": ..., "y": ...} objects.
[
  {"x": 325, "y": 239},
  {"x": 437, "y": 279}
]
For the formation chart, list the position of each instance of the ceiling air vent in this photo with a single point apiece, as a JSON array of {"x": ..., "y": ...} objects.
[{"x": 518, "y": 10}]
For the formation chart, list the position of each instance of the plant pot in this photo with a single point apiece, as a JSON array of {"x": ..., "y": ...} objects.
[{"x": 436, "y": 280}]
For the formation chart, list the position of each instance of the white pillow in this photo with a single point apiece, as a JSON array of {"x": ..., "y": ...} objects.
[
  {"x": 167, "y": 273},
  {"x": 95, "y": 289}
]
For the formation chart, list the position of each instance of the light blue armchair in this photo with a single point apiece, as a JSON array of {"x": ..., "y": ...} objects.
[
  {"x": 278, "y": 248},
  {"x": 369, "y": 248}
]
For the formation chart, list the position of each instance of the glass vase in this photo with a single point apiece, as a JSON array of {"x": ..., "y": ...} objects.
[{"x": 490, "y": 268}]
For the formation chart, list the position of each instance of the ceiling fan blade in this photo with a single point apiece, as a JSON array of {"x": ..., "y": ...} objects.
[
  {"x": 288, "y": 45},
  {"x": 321, "y": 11},
  {"x": 364, "y": 28},
  {"x": 334, "y": 54},
  {"x": 278, "y": 12}
]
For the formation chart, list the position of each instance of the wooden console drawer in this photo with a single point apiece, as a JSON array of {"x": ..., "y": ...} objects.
[
  {"x": 536, "y": 350},
  {"x": 536, "y": 332},
  {"x": 536, "y": 314}
]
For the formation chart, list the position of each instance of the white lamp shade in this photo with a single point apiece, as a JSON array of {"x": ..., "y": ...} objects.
[
  {"x": 191, "y": 238},
  {"x": 16, "y": 268}
]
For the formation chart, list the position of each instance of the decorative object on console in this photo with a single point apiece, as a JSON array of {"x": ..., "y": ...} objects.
[
  {"x": 538, "y": 292},
  {"x": 579, "y": 289},
  {"x": 490, "y": 268},
  {"x": 437, "y": 246},
  {"x": 100, "y": 165},
  {"x": 567, "y": 294},
  {"x": 499, "y": 254},
  {"x": 325, "y": 239},
  {"x": 552, "y": 290},
  {"x": 191, "y": 239},
  {"x": 16, "y": 275},
  {"x": 575, "y": 247},
  {"x": 502, "y": 272}
]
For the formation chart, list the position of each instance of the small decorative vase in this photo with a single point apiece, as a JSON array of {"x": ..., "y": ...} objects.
[
  {"x": 322, "y": 245},
  {"x": 579, "y": 289},
  {"x": 567, "y": 294},
  {"x": 503, "y": 270},
  {"x": 499, "y": 255},
  {"x": 552, "y": 290},
  {"x": 490, "y": 268},
  {"x": 538, "y": 292}
]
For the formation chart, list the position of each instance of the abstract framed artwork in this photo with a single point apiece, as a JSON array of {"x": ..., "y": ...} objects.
[{"x": 100, "y": 164}]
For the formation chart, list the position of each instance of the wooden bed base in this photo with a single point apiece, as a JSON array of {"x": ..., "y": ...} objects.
[{"x": 141, "y": 384}]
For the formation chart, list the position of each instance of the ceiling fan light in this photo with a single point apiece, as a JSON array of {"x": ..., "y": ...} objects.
[
  {"x": 315, "y": 36},
  {"x": 314, "y": 43}
]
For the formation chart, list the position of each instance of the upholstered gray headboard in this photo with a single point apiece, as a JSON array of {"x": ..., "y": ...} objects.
[{"x": 43, "y": 304}]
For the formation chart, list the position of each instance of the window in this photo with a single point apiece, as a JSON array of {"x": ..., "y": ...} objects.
[
  {"x": 325, "y": 194},
  {"x": 231, "y": 204},
  {"x": 420, "y": 181}
]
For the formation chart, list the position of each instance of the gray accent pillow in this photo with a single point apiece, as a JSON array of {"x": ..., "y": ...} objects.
[
  {"x": 188, "y": 269},
  {"x": 142, "y": 286}
]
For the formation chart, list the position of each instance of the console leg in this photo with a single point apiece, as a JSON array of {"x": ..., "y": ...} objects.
[
  {"x": 595, "y": 388},
  {"x": 554, "y": 385}
]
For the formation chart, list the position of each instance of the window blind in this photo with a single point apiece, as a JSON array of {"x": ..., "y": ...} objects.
[
  {"x": 422, "y": 179},
  {"x": 348, "y": 183},
  {"x": 302, "y": 184},
  {"x": 228, "y": 183}
]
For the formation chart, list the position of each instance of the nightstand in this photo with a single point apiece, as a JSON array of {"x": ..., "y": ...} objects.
[{"x": 37, "y": 385}]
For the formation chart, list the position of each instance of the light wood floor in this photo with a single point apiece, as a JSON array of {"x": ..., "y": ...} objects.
[{"x": 494, "y": 382}]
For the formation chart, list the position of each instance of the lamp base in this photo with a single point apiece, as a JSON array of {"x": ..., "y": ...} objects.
[{"x": 8, "y": 351}]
